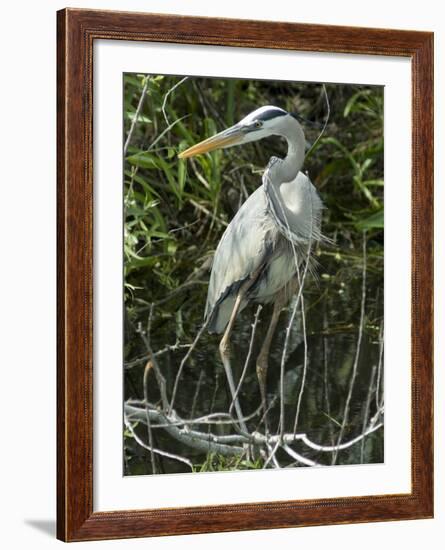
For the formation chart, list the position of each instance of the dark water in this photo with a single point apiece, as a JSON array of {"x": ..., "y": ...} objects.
[{"x": 332, "y": 306}]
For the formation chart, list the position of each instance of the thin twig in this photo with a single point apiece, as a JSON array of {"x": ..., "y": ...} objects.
[
  {"x": 164, "y": 103},
  {"x": 357, "y": 352},
  {"x": 273, "y": 457},
  {"x": 288, "y": 439},
  {"x": 272, "y": 453},
  {"x": 305, "y": 361},
  {"x": 198, "y": 175},
  {"x": 147, "y": 370},
  {"x": 211, "y": 215},
  {"x": 270, "y": 406},
  {"x": 335, "y": 448},
  {"x": 165, "y": 131},
  {"x": 325, "y": 376},
  {"x": 163, "y": 351},
  {"x": 328, "y": 114},
  {"x": 366, "y": 413},
  {"x": 299, "y": 458},
  {"x": 157, "y": 451},
  {"x": 379, "y": 383},
  {"x": 159, "y": 376},
  {"x": 181, "y": 366},
  {"x": 249, "y": 354},
  {"x": 136, "y": 116},
  {"x": 213, "y": 401},
  {"x": 198, "y": 388}
]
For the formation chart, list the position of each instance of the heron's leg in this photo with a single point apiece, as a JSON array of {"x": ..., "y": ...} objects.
[
  {"x": 224, "y": 345},
  {"x": 224, "y": 350},
  {"x": 262, "y": 362}
]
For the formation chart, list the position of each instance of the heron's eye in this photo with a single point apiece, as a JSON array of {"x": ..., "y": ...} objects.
[{"x": 258, "y": 124}]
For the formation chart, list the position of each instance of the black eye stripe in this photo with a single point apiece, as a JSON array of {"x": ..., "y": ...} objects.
[{"x": 271, "y": 113}]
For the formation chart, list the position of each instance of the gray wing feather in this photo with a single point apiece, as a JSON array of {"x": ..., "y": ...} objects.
[{"x": 240, "y": 252}]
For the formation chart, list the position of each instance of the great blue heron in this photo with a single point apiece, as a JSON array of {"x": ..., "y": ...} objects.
[{"x": 259, "y": 253}]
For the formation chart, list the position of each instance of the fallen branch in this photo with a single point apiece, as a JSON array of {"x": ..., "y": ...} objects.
[
  {"x": 234, "y": 444},
  {"x": 156, "y": 451},
  {"x": 205, "y": 443}
]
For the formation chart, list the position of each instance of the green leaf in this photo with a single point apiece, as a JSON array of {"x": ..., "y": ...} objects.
[
  {"x": 143, "y": 160},
  {"x": 141, "y": 118},
  {"x": 374, "y": 221},
  {"x": 181, "y": 175},
  {"x": 351, "y": 104}
]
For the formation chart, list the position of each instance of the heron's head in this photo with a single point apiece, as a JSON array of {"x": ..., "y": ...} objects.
[{"x": 263, "y": 122}]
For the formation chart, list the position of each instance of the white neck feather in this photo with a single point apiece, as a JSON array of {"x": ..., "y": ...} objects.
[
  {"x": 291, "y": 198},
  {"x": 284, "y": 170}
]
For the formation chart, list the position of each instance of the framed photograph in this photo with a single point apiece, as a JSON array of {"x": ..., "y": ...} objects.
[{"x": 245, "y": 228}]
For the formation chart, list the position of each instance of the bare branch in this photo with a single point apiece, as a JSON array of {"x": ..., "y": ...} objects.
[
  {"x": 216, "y": 418},
  {"x": 273, "y": 456},
  {"x": 272, "y": 452},
  {"x": 211, "y": 215},
  {"x": 288, "y": 439},
  {"x": 148, "y": 368},
  {"x": 249, "y": 353},
  {"x": 164, "y": 103},
  {"x": 206, "y": 443},
  {"x": 334, "y": 448},
  {"x": 379, "y": 383},
  {"x": 138, "y": 112},
  {"x": 299, "y": 458},
  {"x": 235, "y": 444},
  {"x": 303, "y": 379},
  {"x": 163, "y": 351},
  {"x": 159, "y": 376},
  {"x": 165, "y": 131},
  {"x": 366, "y": 414},
  {"x": 183, "y": 362},
  {"x": 198, "y": 388},
  {"x": 153, "y": 450},
  {"x": 357, "y": 352},
  {"x": 325, "y": 375},
  {"x": 326, "y": 120}
]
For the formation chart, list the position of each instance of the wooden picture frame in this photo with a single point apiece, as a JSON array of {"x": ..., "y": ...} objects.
[{"x": 77, "y": 31}]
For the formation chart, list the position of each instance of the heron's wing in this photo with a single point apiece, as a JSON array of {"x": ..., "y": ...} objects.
[{"x": 241, "y": 251}]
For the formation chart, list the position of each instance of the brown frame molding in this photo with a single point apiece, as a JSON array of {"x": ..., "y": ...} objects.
[{"x": 76, "y": 32}]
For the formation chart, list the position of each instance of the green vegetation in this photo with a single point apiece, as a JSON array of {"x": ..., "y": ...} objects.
[
  {"x": 218, "y": 463},
  {"x": 176, "y": 212}
]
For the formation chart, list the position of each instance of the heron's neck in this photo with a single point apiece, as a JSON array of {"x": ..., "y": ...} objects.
[
  {"x": 286, "y": 195},
  {"x": 287, "y": 169}
]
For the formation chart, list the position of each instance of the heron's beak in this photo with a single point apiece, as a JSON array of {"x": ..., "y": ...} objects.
[{"x": 226, "y": 138}]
